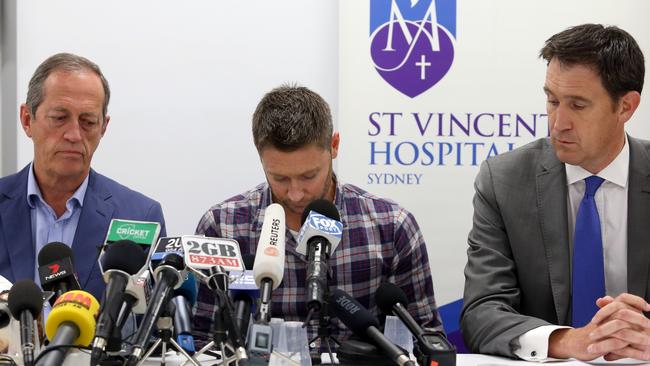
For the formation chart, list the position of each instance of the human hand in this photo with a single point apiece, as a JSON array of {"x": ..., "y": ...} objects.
[{"x": 621, "y": 321}]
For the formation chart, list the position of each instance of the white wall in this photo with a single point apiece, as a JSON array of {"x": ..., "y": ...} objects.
[{"x": 185, "y": 79}]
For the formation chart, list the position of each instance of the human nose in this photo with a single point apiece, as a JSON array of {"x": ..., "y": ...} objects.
[
  {"x": 73, "y": 132},
  {"x": 560, "y": 119},
  {"x": 295, "y": 193}
]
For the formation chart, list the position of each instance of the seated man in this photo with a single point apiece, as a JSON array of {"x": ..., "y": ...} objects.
[
  {"x": 58, "y": 197},
  {"x": 558, "y": 255},
  {"x": 381, "y": 242}
]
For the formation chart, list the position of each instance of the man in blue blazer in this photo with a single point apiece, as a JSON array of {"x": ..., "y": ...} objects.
[{"x": 58, "y": 197}]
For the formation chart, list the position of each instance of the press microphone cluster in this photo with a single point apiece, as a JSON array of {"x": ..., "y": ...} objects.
[{"x": 120, "y": 261}]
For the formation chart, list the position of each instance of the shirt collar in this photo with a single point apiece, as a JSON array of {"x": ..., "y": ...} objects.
[
  {"x": 34, "y": 191},
  {"x": 616, "y": 172}
]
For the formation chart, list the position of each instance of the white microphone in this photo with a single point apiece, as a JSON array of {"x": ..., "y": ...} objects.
[{"x": 268, "y": 268}]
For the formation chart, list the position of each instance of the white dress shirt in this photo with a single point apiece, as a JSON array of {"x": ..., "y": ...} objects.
[{"x": 611, "y": 202}]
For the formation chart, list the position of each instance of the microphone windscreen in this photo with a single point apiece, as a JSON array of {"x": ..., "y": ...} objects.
[
  {"x": 174, "y": 260},
  {"x": 188, "y": 289},
  {"x": 323, "y": 207},
  {"x": 54, "y": 251},
  {"x": 388, "y": 295},
  {"x": 351, "y": 313},
  {"x": 124, "y": 255},
  {"x": 77, "y": 307},
  {"x": 25, "y": 295},
  {"x": 249, "y": 261},
  {"x": 269, "y": 254}
]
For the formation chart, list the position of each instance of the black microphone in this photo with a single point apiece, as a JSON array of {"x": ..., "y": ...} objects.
[
  {"x": 56, "y": 269},
  {"x": 25, "y": 302},
  {"x": 364, "y": 324},
  {"x": 167, "y": 276},
  {"x": 321, "y": 230},
  {"x": 120, "y": 260},
  {"x": 391, "y": 300},
  {"x": 243, "y": 298}
]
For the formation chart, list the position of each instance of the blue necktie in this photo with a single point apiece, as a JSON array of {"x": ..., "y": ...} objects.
[{"x": 588, "y": 268}]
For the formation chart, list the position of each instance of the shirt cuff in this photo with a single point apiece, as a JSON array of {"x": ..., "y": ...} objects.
[{"x": 534, "y": 343}]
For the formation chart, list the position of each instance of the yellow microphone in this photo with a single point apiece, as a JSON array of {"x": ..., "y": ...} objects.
[{"x": 71, "y": 322}]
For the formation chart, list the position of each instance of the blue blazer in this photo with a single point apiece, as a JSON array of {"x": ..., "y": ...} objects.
[{"x": 105, "y": 200}]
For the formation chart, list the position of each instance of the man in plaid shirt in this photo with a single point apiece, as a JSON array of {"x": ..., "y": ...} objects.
[{"x": 381, "y": 241}]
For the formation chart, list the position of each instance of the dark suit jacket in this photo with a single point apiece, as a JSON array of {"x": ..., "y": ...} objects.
[
  {"x": 105, "y": 199},
  {"x": 518, "y": 268}
]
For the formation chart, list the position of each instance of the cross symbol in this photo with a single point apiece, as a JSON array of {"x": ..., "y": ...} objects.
[{"x": 423, "y": 64}]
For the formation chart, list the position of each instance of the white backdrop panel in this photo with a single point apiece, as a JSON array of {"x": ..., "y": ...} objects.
[{"x": 185, "y": 78}]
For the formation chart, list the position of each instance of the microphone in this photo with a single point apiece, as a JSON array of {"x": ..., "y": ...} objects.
[
  {"x": 391, "y": 300},
  {"x": 244, "y": 293},
  {"x": 71, "y": 322},
  {"x": 320, "y": 231},
  {"x": 25, "y": 303},
  {"x": 168, "y": 276},
  {"x": 364, "y": 324},
  {"x": 268, "y": 268},
  {"x": 56, "y": 269},
  {"x": 120, "y": 260},
  {"x": 217, "y": 255},
  {"x": 184, "y": 298},
  {"x": 431, "y": 345}
]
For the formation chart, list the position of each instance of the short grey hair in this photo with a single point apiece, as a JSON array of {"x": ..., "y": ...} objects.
[
  {"x": 67, "y": 62},
  {"x": 291, "y": 117}
]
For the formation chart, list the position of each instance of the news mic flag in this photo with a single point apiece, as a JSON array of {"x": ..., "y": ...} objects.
[
  {"x": 202, "y": 252},
  {"x": 56, "y": 269},
  {"x": 319, "y": 224}
]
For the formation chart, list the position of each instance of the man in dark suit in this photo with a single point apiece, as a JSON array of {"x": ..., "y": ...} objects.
[
  {"x": 558, "y": 254},
  {"x": 58, "y": 197}
]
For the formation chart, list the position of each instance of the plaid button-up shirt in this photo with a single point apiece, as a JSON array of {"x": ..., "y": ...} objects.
[{"x": 381, "y": 242}]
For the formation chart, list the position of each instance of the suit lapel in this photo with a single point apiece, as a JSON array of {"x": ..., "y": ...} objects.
[
  {"x": 638, "y": 214},
  {"x": 91, "y": 230},
  {"x": 17, "y": 228},
  {"x": 552, "y": 206}
]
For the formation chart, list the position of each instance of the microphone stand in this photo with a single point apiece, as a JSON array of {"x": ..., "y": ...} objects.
[
  {"x": 324, "y": 327},
  {"x": 226, "y": 337},
  {"x": 165, "y": 334}
]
